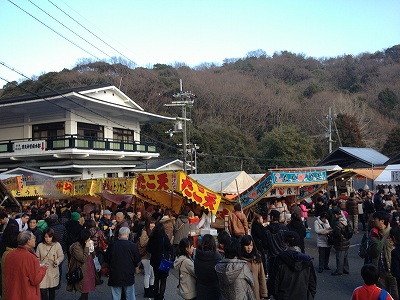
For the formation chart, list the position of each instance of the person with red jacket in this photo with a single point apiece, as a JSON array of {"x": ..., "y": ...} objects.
[{"x": 22, "y": 270}]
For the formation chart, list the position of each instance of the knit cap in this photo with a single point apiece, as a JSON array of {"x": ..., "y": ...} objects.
[{"x": 75, "y": 216}]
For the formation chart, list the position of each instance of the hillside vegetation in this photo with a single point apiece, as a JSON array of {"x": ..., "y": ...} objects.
[{"x": 260, "y": 111}]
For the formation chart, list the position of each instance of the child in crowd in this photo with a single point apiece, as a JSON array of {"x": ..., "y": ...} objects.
[{"x": 369, "y": 291}]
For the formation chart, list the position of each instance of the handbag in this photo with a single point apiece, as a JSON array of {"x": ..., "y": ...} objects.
[
  {"x": 75, "y": 275},
  {"x": 330, "y": 239},
  {"x": 165, "y": 264},
  {"x": 103, "y": 243}
]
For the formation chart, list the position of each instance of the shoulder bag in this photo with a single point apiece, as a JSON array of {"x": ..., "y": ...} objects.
[
  {"x": 165, "y": 264},
  {"x": 75, "y": 275}
]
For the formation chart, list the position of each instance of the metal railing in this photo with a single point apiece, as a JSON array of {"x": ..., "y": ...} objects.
[{"x": 81, "y": 142}]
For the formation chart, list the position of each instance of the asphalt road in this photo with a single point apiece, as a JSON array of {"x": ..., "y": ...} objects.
[{"x": 328, "y": 287}]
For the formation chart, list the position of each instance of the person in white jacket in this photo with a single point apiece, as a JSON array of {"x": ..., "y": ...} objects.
[
  {"x": 322, "y": 228},
  {"x": 185, "y": 266}
]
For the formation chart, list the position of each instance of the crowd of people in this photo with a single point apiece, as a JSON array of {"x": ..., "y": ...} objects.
[{"x": 259, "y": 258}]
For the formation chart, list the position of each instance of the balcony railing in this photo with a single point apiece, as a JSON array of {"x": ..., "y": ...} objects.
[{"x": 81, "y": 142}]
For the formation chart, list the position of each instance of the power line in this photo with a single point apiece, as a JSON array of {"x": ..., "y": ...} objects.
[
  {"x": 92, "y": 33},
  {"x": 70, "y": 29},
  {"x": 64, "y": 37}
]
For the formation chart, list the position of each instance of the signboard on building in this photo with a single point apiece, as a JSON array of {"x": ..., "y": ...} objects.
[
  {"x": 396, "y": 176},
  {"x": 30, "y": 147}
]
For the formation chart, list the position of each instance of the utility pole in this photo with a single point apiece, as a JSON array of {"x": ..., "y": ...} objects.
[
  {"x": 184, "y": 100},
  {"x": 330, "y": 118}
]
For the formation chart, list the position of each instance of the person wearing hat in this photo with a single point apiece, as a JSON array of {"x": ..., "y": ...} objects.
[
  {"x": 105, "y": 224},
  {"x": 73, "y": 230},
  {"x": 292, "y": 275},
  {"x": 275, "y": 236}
]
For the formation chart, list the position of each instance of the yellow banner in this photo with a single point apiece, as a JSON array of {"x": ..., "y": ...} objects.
[
  {"x": 29, "y": 191},
  {"x": 122, "y": 186},
  {"x": 84, "y": 187},
  {"x": 158, "y": 181}
]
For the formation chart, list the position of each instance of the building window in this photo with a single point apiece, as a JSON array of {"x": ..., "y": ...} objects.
[
  {"x": 90, "y": 130},
  {"x": 112, "y": 175},
  {"x": 48, "y": 130},
  {"x": 123, "y": 135}
]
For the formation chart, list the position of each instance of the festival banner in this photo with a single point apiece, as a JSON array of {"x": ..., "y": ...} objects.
[
  {"x": 29, "y": 191},
  {"x": 198, "y": 193},
  {"x": 13, "y": 183},
  {"x": 158, "y": 181},
  {"x": 84, "y": 187},
  {"x": 122, "y": 186}
]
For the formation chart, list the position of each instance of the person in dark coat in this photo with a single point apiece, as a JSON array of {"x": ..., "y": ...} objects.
[
  {"x": 123, "y": 255},
  {"x": 73, "y": 230},
  {"x": 340, "y": 243},
  {"x": 320, "y": 206},
  {"x": 297, "y": 225},
  {"x": 106, "y": 225},
  {"x": 159, "y": 246},
  {"x": 260, "y": 238},
  {"x": 81, "y": 256},
  {"x": 206, "y": 258},
  {"x": 10, "y": 230},
  {"x": 32, "y": 227},
  {"x": 352, "y": 210},
  {"x": 293, "y": 275},
  {"x": 121, "y": 222}
]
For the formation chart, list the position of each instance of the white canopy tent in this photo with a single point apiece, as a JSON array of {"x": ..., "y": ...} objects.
[
  {"x": 391, "y": 175},
  {"x": 226, "y": 183}
]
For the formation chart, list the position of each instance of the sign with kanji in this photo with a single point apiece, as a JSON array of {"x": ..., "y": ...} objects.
[
  {"x": 396, "y": 176},
  {"x": 29, "y": 147},
  {"x": 198, "y": 193},
  {"x": 84, "y": 187},
  {"x": 122, "y": 186},
  {"x": 29, "y": 191},
  {"x": 181, "y": 183},
  {"x": 13, "y": 183}
]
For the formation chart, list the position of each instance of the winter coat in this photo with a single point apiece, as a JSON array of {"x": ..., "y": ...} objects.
[
  {"x": 181, "y": 229},
  {"x": 322, "y": 230},
  {"x": 9, "y": 236},
  {"x": 187, "y": 277},
  {"x": 157, "y": 242},
  {"x": 168, "y": 226},
  {"x": 260, "y": 284},
  {"x": 274, "y": 233},
  {"x": 104, "y": 225},
  {"x": 352, "y": 206},
  {"x": 293, "y": 276},
  {"x": 123, "y": 258},
  {"x": 368, "y": 206},
  {"x": 378, "y": 245},
  {"x": 142, "y": 243},
  {"x": 48, "y": 254},
  {"x": 235, "y": 279},
  {"x": 340, "y": 243},
  {"x": 207, "y": 287},
  {"x": 123, "y": 223},
  {"x": 3, "y": 273},
  {"x": 395, "y": 262},
  {"x": 96, "y": 235},
  {"x": 23, "y": 275},
  {"x": 259, "y": 237},
  {"x": 298, "y": 226},
  {"x": 73, "y": 230},
  {"x": 79, "y": 258},
  {"x": 237, "y": 224},
  {"x": 60, "y": 232},
  {"x": 304, "y": 211}
]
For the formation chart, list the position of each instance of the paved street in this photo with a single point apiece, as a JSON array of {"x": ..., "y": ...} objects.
[{"x": 328, "y": 287}]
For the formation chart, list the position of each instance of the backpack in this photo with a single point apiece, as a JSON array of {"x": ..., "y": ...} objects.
[
  {"x": 348, "y": 232},
  {"x": 363, "y": 249}
]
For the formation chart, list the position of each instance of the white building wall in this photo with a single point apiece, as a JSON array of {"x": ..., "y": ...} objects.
[{"x": 12, "y": 133}]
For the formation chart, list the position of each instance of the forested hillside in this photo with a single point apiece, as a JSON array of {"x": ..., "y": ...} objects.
[{"x": 260, "y": 111}]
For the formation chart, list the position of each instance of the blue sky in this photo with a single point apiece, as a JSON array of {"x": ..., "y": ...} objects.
[{"x": 167, "y": 31}]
